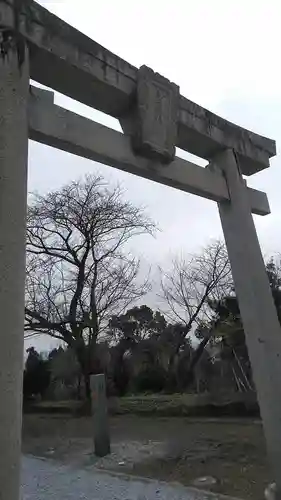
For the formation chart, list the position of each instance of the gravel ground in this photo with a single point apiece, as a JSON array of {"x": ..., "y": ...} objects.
[
  {"x": 128, "y": 454},
  {"x": 45, "y": 480},
  {"x": 174, "y": 449}
]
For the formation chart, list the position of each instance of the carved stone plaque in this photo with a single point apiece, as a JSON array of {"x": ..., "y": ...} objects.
[{"x": 156, "y": 116}]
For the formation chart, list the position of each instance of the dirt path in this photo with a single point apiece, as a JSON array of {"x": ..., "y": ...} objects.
[
  {"x": 45, "y": 480},
  {"x": 171, "y": 449}
]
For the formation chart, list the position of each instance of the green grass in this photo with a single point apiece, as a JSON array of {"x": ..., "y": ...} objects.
[
  {"x": 186, "y": 405},
  {"x": 164, "y": 405}
]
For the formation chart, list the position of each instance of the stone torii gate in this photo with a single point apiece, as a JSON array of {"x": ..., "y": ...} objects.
[{"x": 155, "y": 119}]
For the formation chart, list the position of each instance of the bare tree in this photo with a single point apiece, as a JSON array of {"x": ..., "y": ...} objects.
[
  {"x": 192, "y": 282},
  {"x": 189, "y": 286},
  {"x": 79, "y": 269}
]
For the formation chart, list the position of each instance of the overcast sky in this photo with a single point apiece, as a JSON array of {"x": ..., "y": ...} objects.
[{"x": 225, "y": 56}]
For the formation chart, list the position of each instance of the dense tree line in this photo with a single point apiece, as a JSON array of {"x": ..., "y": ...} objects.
[{"x": 140, "y": 353}]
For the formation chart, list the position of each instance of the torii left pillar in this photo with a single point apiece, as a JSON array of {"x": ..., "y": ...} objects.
[{"x": 14, "y": 88}]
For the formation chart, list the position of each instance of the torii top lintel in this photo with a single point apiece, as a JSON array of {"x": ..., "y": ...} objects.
[{"x": 68, "y": 61}]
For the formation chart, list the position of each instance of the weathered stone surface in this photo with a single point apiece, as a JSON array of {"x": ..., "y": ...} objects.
[
  {"x": 73, "y": 64},
  {"x": 43, "y": 95},
  {"x": 205, "y": 134},
  {"x": 65, "y": 130},
  {"x": 256, "y": 304},
  {"x": 14, "y": 82},
  {"x": 100, "y": 415},
  {"x": 155, "y": 133}
]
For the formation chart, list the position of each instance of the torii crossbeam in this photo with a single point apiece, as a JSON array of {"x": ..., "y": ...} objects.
[{"x": 155, "y": 119}]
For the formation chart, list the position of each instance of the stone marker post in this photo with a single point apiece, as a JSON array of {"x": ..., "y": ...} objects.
[
  {"x": 99, "y": 409},
  {"x": 258, "y": 312},
  {"x": 14, "y": 87}
]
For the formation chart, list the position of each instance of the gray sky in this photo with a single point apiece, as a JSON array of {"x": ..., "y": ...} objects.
[{"x": 225, "y": 56}]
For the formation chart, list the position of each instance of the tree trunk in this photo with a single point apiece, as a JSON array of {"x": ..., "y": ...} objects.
[
  {"x": 198, "y": 353},
  {"x": 78, "y": 394},
  {"x": 83, "y": 360},
  {"x": 196, "y": 358},
  {"x": 87, "y": 385},
  {"x": 86, "y": 404}
]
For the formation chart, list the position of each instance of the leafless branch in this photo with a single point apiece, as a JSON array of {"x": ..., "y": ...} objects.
[
  {"x": 78, "y": 273},
  {"x": 192, "y": 282}
]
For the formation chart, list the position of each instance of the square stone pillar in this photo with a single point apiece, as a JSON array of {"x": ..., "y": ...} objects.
[
  {"x": 100, "y": 414},
  {"x": 14, "y": 88},
  {"x": 258, "y": 312}
]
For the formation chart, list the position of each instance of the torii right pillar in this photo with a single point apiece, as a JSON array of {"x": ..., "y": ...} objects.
[{"x": 257, "y": 308}]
